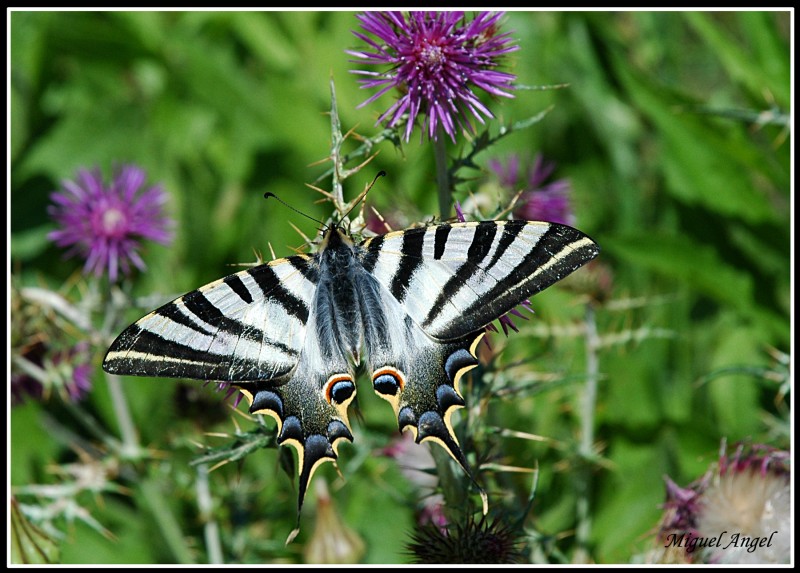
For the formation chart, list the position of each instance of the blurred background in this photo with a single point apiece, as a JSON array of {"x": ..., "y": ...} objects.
[{"x": 672, "y": 132}]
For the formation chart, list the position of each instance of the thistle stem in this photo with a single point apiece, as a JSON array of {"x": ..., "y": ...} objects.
[
  {"x": 130, "y": 439},
  {"x": 170, "y": 530},
  {"x": 210, "y": 525},
  {"x": 336, "y": 158},
  {"x": 455, "y": 494},
  {"x": 444, "y": 190},
  {"x": 588, "y": 406},
  {"x": 592, "y": 375},
  {"x": 153, "y": 496}
]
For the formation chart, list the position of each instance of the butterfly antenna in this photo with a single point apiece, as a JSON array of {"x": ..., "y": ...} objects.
[
  {"x": 361, "y": 197},
  {"x": 269, "y": 194}
]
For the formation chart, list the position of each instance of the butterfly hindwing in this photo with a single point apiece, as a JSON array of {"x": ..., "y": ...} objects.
[
  {"x": 415, "y": 373},
  {"x": 420, "y": 380},
  {"x": 310, "y": 409}
]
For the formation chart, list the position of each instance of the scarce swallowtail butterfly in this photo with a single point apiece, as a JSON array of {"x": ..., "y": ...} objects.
[{"x": 410, "y": 306}]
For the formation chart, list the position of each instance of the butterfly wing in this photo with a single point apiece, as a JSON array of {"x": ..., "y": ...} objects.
[
  {"x": 437, "y": 288},
  {"x": 248, "y": 326},
  {"x": 251, "y": 329},
  {"x": 310, "y": 407},
  {"x": 417, "y": 374},
  {"x": 455, "y": 279}
]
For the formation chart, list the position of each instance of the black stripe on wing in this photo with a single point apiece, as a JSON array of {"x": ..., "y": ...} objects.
[
  {"x": 440, "y": 241},
  {"x": 139, "y": 352},
  {"x": 305, "y": 264},
  {"x": 411, "y": 250},
  {"x": 509, "y": 234},
  {"x": 143, "y": 351},
  {"x": 271, "y": 286},
  {"x": 172, "y": 312},
  {"x": 374, "y": 246},
  {"x": 239, "y": 288}
]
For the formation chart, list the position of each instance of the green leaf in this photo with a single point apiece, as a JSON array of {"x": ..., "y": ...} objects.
[
  {"x": 762, "y": 65},
  {"x": 262, "y": 33},
  {"x": 735, "y": 397},
  {"x": 628, "y": 501},
  {"x": 704, "y": 162},
  {"x": 28, "y": 244},
  {"x": 29, "y": 544},
  {"x": 685, "y": 261}
]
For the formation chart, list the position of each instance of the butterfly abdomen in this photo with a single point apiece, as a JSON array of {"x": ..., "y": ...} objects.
[{"x": 336, "y": 304}]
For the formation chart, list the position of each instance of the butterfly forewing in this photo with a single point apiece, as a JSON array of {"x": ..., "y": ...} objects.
[
  {"x": 455, "y": 279},
  {"x": 247, "y": 326}
]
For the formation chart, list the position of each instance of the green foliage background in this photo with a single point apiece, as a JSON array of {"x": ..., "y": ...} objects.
[{"x": 686, "y": 192}]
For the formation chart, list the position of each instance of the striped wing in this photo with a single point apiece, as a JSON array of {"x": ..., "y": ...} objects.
[
  {"x": 248, "y": 326},
  {"x": 454, "y": 279},
  {"x": 418, "y": 375},
  {"x": 310, "y": 407}
]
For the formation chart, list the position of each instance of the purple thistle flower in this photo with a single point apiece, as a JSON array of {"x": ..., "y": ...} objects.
[
  {"x": 508, "y": 174},
  {"x": 67, "y": 371},
  {"x": 229, "y": 390},
  {"x": 539, "y": 201},
  {"x": 435, "y": 60},
  {"x": 552, "y": 206},
  {"x": 507, "y": 323},
  {"x": 460, "y": 213},
  {"x": 103, "y": 224},
  {"x": 77, "y": 360}
]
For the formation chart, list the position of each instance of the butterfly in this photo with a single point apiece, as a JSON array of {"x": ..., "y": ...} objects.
[{"x": 410, "y": 306}]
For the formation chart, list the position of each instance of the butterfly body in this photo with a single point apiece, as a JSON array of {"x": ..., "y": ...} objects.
[{"x": 411, "y": 306}]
